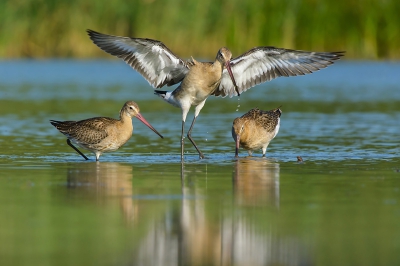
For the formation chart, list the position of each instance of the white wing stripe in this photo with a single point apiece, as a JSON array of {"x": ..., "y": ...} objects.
[
  {"x": 150, "y": 58},
  {"x": 266, "y": 63}
]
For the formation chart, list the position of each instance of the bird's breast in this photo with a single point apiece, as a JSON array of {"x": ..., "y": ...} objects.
[
  {"x": 199, "y": 83},
  {"x": 122, "y": 133}
]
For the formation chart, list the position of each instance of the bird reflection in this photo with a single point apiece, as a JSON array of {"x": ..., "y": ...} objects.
[
  {"x": 256, "y": 182},
  {"x": 103, "y": 182},
  {"x": 195, "y": 232}
]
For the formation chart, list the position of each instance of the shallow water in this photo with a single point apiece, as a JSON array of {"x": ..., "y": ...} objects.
[{"x": 140, "y": 206}]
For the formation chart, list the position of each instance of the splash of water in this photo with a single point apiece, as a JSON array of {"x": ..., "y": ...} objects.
[{"x": 237, "y": 109}]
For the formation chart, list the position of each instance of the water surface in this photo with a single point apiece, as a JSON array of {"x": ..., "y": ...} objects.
[{"x": 140, "y": 206}]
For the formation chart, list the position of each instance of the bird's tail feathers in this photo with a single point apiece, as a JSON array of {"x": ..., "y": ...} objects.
[
  {"x": 159, "y": 92},
  {"x": 168, "y": 97}
]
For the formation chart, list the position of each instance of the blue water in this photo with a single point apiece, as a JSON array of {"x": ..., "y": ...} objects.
[
  {"x": 349, "y": 110},
  {"x": 343, "y": 81},
  {"x": 141, "y": 206}
]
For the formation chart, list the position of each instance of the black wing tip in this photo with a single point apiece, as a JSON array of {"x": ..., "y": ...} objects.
[
  {"x": 330, "y": 56},
  {"x": 338, "y": 55},
  {"x": 57, "y": 124},
  {"x": 91, "y": 32},
  {"x": 95, "y": 34}
]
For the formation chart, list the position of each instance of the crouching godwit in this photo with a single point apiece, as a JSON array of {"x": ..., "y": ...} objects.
[
  {"x": 102, "y": 134},
  {"x": 223, "y": 77},
  {"x": 255, "y": 129}
]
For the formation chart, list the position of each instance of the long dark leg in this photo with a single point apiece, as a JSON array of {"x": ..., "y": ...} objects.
[
  {"x": 182, "y": 140},
  {"x": 189, "y": 135},
  {"x": 78, "y": 151}
]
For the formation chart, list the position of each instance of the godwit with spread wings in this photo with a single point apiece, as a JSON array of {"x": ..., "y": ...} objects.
[
  {"x": 255, "y": 129},
  {"x": 102, "y": 134},
  {"x": 198, "y": 80}
]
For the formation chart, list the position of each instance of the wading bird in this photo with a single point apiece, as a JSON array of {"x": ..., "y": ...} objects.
[
  {"x": 102, "y": 134},
  {"x": 255, "y": 129},
  {"x": 198, "y": 80}
]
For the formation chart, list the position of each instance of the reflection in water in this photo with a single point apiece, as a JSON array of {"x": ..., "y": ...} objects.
[
  {"x": 104, "y": 180},
  {"x": 256, "y": 182},
  {"x": 201, "y": 231}
]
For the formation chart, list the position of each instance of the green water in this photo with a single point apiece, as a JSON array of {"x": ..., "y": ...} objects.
[
  {"x": 244, "y": 212},
  {"x": 141, "y": 206}
]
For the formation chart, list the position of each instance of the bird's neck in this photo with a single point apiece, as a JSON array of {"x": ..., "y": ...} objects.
[
  {"x": 124, "y": 117},
  {"x": 218, "y": 64}
]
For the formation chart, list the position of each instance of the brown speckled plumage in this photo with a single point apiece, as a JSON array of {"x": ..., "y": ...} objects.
[
  {"x": 255, "y": 129},
  {"x": 102, "y": 134}
]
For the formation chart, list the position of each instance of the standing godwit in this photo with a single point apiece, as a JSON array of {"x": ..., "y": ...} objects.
[
  {"x": 160, "y": 67},
  {"x": 102, "y": 134},
  {"x": 255, "y": 129}
]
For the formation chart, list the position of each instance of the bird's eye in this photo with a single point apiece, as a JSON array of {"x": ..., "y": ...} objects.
[{"x": 130, "y": 107}]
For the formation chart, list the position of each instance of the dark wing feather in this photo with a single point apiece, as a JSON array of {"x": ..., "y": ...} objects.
[
  {"x": 269, "y": 119},
  {"x": 263, "y": 64},
  {"x": 151, "y": 58},
  {"x": 89, "y": 131},
  {"x": 265, "y": 119}
]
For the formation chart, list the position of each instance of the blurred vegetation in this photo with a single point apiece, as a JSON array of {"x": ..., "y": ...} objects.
[{"x": 367, "y": 29}]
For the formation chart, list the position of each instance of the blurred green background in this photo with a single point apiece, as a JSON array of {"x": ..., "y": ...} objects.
[{"x": 365, "y": 29}]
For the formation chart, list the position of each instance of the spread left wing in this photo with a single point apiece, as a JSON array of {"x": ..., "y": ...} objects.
[{"x": 151, "y": 58}]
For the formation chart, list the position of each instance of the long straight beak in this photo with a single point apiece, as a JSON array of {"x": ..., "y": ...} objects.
[
  {"x": 228, "y": 67},
  {"x": 144, "y": 121},
  {"x": 237, "y": 146}
]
